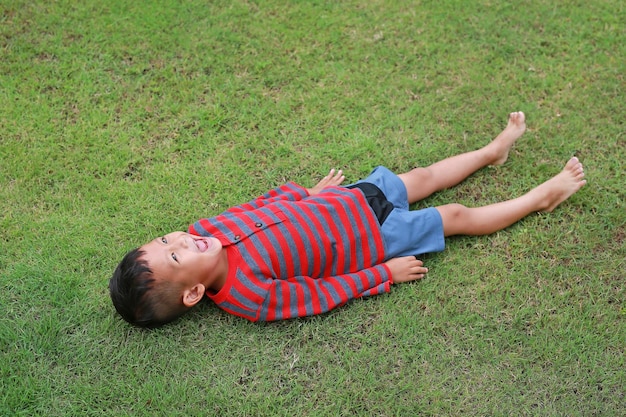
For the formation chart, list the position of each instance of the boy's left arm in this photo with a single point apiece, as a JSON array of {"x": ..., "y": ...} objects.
[
  {"x": 333, "y": 178},
  {"x": 290, "y": 192}
]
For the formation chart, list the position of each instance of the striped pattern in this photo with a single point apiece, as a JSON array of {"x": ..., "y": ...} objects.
[{"x": 293, "y": 255}]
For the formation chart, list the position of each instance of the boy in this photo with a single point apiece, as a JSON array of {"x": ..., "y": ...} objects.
[{"x": 296, "y": 252}]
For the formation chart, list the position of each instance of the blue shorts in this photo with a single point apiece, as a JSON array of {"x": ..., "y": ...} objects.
[{"x": 406, "y": 232}]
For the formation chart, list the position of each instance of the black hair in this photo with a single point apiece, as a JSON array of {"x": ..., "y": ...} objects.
[{"x": 137, "y": 296}]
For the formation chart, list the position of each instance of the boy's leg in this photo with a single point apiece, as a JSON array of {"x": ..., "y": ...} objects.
[
  {"x": 422, "y": 182},
  {"x": 460, "y": 220}
]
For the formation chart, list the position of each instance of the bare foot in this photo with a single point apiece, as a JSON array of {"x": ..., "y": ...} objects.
[
  {"x": 504, "y": 141},
  {"x": 560, "y": 187}
]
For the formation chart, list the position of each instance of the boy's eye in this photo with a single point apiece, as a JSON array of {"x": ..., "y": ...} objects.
[
  {"x": 164, "y": 240},
  {"x": 174, "y": 257}
]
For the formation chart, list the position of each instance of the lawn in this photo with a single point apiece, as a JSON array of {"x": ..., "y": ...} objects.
[{"x": 121, "y": 121}]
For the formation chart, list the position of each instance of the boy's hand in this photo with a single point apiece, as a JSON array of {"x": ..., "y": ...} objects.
[
  {"x": 405, "y": 269},
  {"x": 333, "y": 178}
]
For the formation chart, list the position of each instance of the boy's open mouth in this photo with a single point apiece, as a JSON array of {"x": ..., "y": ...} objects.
[{"x": 202, "y": 245}]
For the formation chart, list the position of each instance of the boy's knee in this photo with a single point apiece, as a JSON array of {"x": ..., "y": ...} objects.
[
  {"x": 454, "y": 218},
  {"x": 424, "y": 176},
  {"x": 455, "y": 210}
]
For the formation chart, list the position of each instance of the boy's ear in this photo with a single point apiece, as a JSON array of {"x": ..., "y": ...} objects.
[{"x": 193, "y": 295}]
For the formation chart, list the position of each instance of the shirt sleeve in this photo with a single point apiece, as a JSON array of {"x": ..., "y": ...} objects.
[
  {"x": 305, "y": 296},
  {"x": 287, "y": 192}
]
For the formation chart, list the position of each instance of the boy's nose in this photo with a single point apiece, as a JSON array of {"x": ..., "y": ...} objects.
[{"x": 182, "y": 242}]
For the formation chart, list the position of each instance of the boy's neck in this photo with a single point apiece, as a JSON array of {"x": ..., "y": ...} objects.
[{"x": 217, "y": 279}]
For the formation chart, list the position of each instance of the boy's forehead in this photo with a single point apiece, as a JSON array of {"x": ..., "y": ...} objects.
[
  {"x": 149, "y": 247},
  {"x": 156, "y": 258}
]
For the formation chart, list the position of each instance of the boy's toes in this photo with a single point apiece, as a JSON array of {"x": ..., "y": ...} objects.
[
  {"x": 517, "y": 117},
  {"x": 571, "y": 164}
]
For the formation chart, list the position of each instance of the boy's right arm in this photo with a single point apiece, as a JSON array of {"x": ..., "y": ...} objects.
[
  {"x": 303, "y": 296},
  {"x": 406, "y": 268}
]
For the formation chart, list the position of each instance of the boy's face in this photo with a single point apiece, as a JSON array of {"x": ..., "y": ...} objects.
[{"x": 183, "y": 258}]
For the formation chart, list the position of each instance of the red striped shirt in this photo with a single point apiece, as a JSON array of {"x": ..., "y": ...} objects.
[{"x": 293, "y": 255}]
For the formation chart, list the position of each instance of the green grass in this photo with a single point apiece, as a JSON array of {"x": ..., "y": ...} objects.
[{"x": 120, "y": 121}]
